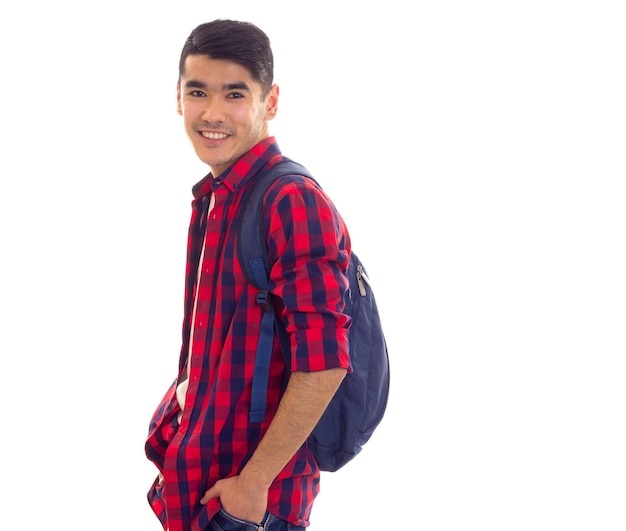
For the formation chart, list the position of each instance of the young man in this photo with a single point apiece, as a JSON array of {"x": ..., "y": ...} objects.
[{"x": 218, "y": 470}]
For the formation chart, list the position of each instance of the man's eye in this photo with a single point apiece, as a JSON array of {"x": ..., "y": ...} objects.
[
  {"x": 197, "y": 93},
  {"x": 235, "y": 95}
]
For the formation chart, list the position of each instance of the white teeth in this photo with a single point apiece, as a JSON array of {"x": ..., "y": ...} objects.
[{"x": 214, "y": 136}]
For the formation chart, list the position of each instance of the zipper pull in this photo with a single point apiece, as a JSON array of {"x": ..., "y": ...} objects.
[{"x": 362, "y": 279}]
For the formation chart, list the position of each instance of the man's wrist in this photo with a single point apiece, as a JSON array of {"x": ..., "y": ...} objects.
[{"x": 255, "y": 478}]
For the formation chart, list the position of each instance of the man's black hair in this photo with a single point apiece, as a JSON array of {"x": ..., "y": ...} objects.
[{"x": 241, "y": 42}]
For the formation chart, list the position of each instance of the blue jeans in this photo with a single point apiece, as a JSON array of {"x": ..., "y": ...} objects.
[{"x": 223, "y": 521}]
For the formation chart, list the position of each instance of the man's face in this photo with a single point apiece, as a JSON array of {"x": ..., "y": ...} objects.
[{"x": 223, "y": 110}]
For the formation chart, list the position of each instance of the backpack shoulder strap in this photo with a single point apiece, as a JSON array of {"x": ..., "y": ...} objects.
[
  {"x": 251, "y": 245},
  {"x": 254, "y": 259}
]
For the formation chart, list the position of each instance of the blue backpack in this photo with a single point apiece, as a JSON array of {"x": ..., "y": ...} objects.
[{"x": 359, "y": 404}]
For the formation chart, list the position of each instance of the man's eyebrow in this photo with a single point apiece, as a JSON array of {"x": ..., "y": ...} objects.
[
  {"x": 236, "y": 86},
  {"x": 193, "y": 83}
]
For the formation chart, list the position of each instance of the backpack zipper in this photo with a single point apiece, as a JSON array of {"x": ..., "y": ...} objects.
[{"x": 362, "y": 279}]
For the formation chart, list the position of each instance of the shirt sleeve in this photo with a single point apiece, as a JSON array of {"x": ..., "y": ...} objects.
[{"x": 309, "y": 247}]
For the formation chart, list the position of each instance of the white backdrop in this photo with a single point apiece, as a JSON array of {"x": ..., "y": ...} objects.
[{"x": 476, "y": 150}]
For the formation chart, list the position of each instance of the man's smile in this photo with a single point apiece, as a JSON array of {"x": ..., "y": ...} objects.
[{"x": 213, "y": 136}]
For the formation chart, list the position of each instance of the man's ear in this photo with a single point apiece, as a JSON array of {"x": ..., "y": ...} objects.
[
  {"x": 179, "y": 105},
  {"x": 272, "y": 102}
]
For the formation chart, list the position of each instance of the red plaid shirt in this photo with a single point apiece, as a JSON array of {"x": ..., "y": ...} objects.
[{"x": 309, "y": 246}]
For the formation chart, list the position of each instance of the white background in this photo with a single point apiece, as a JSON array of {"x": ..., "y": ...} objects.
[{"x": 476, "y": 150}]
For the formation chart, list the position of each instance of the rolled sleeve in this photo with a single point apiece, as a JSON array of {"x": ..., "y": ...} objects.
[{"x": 310, "y": 249}]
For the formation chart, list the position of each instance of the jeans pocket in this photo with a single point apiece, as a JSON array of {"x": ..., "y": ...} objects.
[{"x": 223, "y": 521}]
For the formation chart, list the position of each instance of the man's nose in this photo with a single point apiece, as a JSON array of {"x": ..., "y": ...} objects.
[{"x": 213, "y": 111}]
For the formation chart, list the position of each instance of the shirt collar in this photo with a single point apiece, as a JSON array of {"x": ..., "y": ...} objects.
[{"x": 244, "y": 168}]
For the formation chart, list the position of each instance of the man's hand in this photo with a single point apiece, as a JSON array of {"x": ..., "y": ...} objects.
[
  {"x": 305, "y": 399},
  {"x": 239, "y": 499}
]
